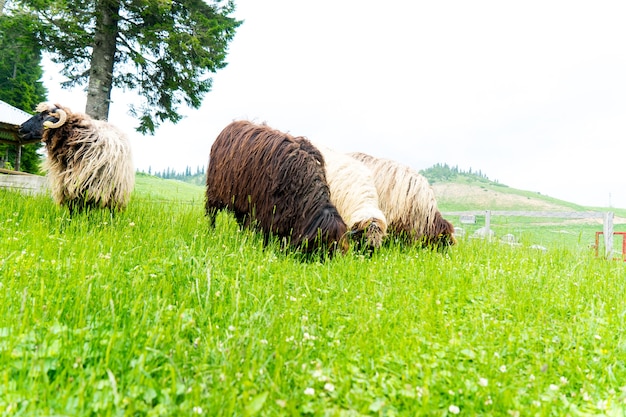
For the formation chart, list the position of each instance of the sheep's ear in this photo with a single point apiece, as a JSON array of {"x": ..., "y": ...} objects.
[{"x": 42, "y": 107}]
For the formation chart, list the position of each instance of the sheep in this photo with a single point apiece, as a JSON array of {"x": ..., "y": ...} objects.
[
  {"x": 276, "y": 183},
  {"x": 409, "y": 203},
  {"x": 89, "y": 162},
  {"x": 353, "y": 192}
]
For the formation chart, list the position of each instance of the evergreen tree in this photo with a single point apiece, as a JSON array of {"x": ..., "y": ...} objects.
[
  {"x": 163, "y": 50},
  {"x": 20, "y": 75}
]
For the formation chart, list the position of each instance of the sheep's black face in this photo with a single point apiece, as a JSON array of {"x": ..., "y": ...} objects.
[{"x": 32, "y": 129}]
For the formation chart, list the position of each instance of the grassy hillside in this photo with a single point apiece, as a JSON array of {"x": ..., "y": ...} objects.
[
  {"x": 152, "y": 313},
  {"x": 153, "y": 188},
  {"x": 460, "y": 192}
]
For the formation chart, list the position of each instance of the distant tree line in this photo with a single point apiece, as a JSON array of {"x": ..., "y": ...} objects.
[
  {"x": 437, "y": 173},
  {"x": 443, "y": 173},
  {"x": 196, "y": 176}
]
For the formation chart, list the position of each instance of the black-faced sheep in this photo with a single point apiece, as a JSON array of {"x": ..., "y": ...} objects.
[
  {"x": 409, "y": 202},
  {"x": 353, "y": 192},
  {"x": 88, "y": 161},
  {"x": 274, "y": 182}
]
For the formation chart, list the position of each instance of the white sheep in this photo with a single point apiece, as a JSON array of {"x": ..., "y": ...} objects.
[
  {"x": 353, "y": 192},
  {"x": 409, "y": 202}
]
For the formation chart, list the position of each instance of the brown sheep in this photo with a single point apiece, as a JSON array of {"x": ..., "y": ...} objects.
[{"x": 274, "y": 182}]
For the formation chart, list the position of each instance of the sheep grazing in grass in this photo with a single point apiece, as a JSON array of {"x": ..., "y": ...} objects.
[
  {"x": 89, "y": 162},
  {"x": 409, "y": 203},
  {"x": 353, "y": 192},
  {"x": 274, "y": 182}
]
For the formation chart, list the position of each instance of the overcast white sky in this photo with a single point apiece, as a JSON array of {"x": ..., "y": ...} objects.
[{"x": 532, "y": 93}]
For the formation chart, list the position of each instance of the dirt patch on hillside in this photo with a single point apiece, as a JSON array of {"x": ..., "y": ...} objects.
[
  {"x": 486, "y": 199},
  {"x": 489, "y": 199}
]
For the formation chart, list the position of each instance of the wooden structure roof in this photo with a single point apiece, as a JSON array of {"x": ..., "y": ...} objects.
[{"x": 10, "y": 120}]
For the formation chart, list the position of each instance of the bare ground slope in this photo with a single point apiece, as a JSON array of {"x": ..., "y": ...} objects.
[
  {"x": 477, "y": 197},
  {"x": 489, "y": 199}
]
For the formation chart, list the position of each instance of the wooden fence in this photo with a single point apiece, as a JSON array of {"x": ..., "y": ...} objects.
[
  {"x": 607, "y": 217},
  {"x": 27, "y": 183}
]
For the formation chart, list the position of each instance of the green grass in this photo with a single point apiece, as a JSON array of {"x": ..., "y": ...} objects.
[{"x": 152, "y": 313}]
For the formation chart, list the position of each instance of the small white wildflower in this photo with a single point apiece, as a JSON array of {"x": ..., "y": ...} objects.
[
  {"x": 488, "y": 401},
  {"x": 597, "y": 337},
  {"x": 603, "y": 404},
  {"x": 131, "y": 224},
  {"x": 292, "y": 298},
  {"x": 218, "y": 293},
  {"x": 563, "y": 380},
  {"x": 532, "y": 377},
  {"x": 281, "y": 403},
  {"x": 503, "y": 368},
  {"x": 554, "y": 387},
  {"x": 379, "y": 306},
  {"x": 483, "y": 382},
  {"x": 197, "y": 410},
  {"x": 329, "y": 387},
  {"x": 264, "y": 342},
  {"x": 309, "y": 391},
  {"x": 536, "y": 403},
  {"x": 231, "y": 328},
  {"x": 453, "y": 409}
]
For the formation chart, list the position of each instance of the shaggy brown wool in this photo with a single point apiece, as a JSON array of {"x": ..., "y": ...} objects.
[
  {"x": 274, "y": 182},
  {"x": 408, "y": 202}
]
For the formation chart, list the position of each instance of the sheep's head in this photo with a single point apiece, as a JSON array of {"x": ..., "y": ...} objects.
[{"x": 47, "y": 117}]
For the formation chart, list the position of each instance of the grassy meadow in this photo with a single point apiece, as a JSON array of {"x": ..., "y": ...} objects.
[{"x": 151, "y": 313}]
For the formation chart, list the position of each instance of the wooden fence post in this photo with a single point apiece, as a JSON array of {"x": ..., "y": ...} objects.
[{"x": 608, "y": 234}]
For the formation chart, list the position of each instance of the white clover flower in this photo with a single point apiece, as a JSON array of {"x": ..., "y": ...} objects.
[
  {"x": 307, "y": 336},
  {"x": 309, "y": 391},
  {"x": 483, "y": 382},
  {"x": 329, "y": 387},
  {"x": 563, "y": 380},
  {"x": 554, "y": 387},
  {"x": 503, "y": 368},
  {"x": 197, "y": 410},
  {"x": 453, "y": 409}
]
